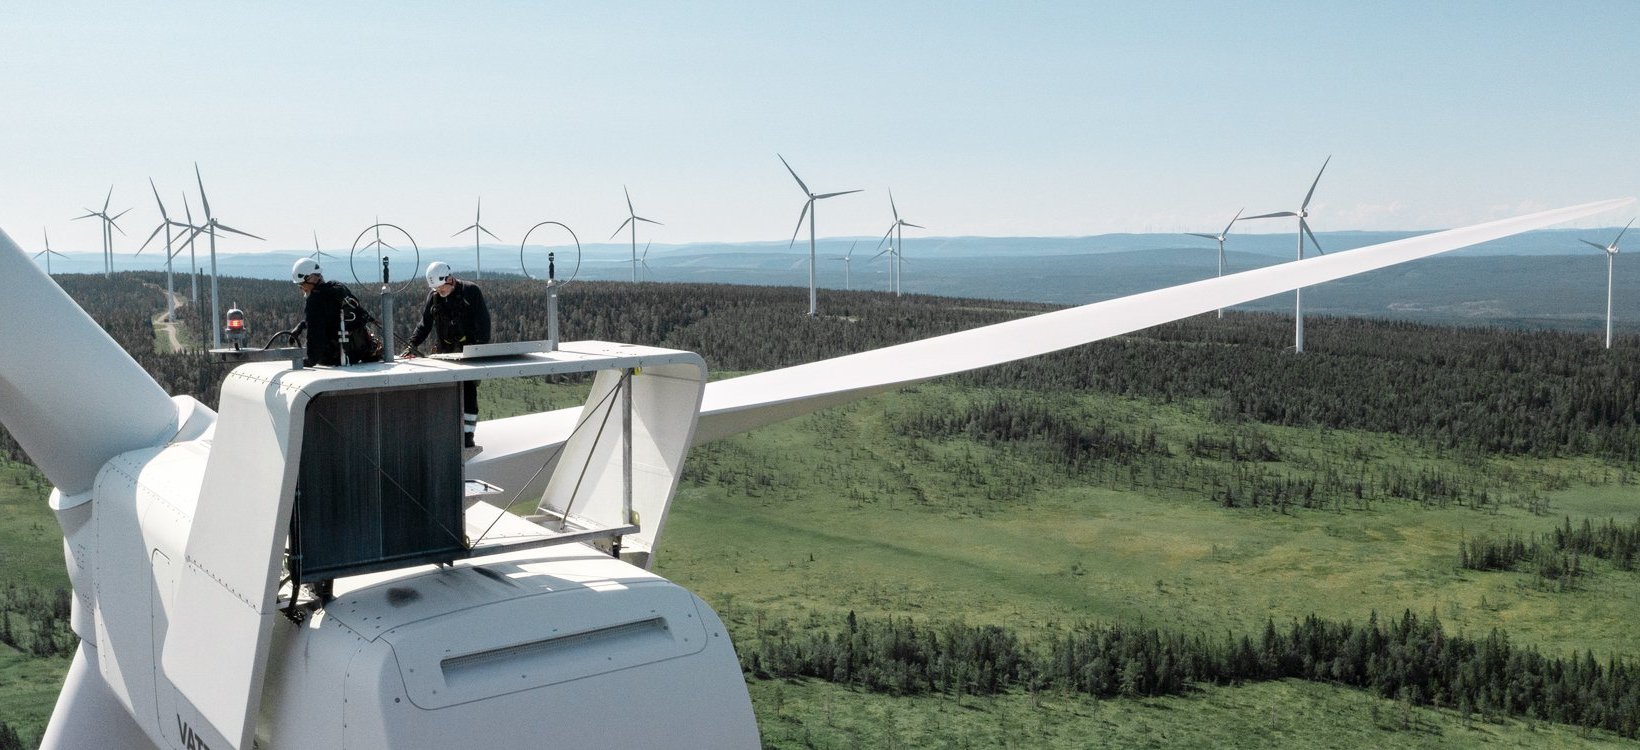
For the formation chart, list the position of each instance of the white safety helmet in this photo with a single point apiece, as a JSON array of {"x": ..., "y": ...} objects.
[
  {"x": 302, "y": 269},
  {"x": 438, "y": 272}
]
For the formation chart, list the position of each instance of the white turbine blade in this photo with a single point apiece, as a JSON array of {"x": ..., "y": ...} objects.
[
  {"x": 914, "y": 226},
  {"x": 1203, "y": 236},
  {"x": 161, "y": 203},
  {"x": 1601, "y": 248},
  {"x": 151, "y": 236},
  {"x": 488, "y": 232},
  {"x": 1305, "y": 226},
  {"x": 800, "y": 218},
  {"x": 206, "y": 202},
  {"x": 471, "y": 227},
  {"x": 92, "y": 403},
  {"x": 1620, "y": 234},
  {"x": 788, "y": 169},
  {"x": 886, "y": 235},
  {"x": 226, "y": 228},
  {"x": 1275, "y": 215},
  {"x": 893, "y": 207},
  {"x": 91, "y": 215},
  {"x": 1307, "y": 196},
  {"x": 112, "y": 219},
  {"x": 629, "y": 210},
  {"x": 652, "y": 221},
  {"x": 739, "y": 404},
  {"x": 850, "y": 252},
  {"x": 619, "y": 228},
  {"x": 1231, "y": 224},
  {"x": 516, "y": 446},
  {"x": 645, "y": 256},
  {"x": 108, "y": 198},
  {"x": 834, "y": 195}
]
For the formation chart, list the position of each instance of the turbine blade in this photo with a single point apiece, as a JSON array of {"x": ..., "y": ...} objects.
[
  {"x": 157, "y": 200},
  {"x": 1306, "y": 203},
  {"x": 800, "y": 218},
  {"x": 206, "y": 202},
  {"x": 492, "y": 234},
  {"x": 151, "y": 236},
  {"x": 470, "y": 227},
  {"x": 629, "y": 210},
  {"x": 652, "y": 221},
  {"x": 92, "y": 215},
  {"x": 833, "y": 195},
  {"x": 226, "y": 228},
  {"x": 909, "y": 224},
  {"x": 892, "y": 207},
  {"x": 1203, "y": 236},
  {"x": 108, "y": 198},
  {"x": 1601, "y": 248},
  {"x": 1275, "y": 215},
  {"x": 622, "y": 226},
  {"x": 788, "y": 169},
  {"x": 1231, "y": 224},
  {"x": 1304, "y": 225},
  {"x": 1620, "y": 234}
]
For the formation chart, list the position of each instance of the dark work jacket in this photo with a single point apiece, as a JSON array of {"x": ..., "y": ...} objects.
[
  {"x": 455, "y": 321},
  {"x": 323, "y": 315}
]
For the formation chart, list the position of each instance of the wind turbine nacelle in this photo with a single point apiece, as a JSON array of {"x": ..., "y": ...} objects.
[{"x": 513, "y": 636}]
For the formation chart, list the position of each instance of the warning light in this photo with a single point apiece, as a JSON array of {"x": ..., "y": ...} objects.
[{"x": 234, "y": 328}]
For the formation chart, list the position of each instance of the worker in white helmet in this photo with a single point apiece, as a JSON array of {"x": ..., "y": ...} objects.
[
  {"x": 330, "y": 305},
  {"x": 455, "y": 315}
]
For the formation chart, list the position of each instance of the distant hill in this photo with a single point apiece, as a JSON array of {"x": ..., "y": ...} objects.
[{"x": 1539, "y": 279}]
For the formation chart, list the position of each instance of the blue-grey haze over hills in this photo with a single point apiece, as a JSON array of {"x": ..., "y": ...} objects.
[{"x": 1540, "y": 279}]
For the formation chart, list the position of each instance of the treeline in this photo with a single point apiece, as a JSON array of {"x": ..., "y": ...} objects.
[
  {"x": 1556, "y": 557},
  {"x": 1409, "y": 658},
  {"x": 1236, "y": 469},
  {"x": 1486, "y": 390},
  {"x": 36, "y": 622}
]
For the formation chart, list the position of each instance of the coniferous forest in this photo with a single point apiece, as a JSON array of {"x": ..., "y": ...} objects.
[{"x": 1516, "y": 418}]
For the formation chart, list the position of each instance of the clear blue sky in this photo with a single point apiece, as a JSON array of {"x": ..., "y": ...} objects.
[{"x": 984, "y": 118}]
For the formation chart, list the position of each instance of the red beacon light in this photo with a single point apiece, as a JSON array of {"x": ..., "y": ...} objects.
[{"x": 234, "y": 329}]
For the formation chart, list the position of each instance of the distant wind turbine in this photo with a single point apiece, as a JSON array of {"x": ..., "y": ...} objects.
[
  {"x": 317, "y": 253},
  {"x": 165, "y": 223},
  {"x": 847, "y": 258},
  {"x": 896, "y": 249},
  {"x": 808, "y": 212},
  {"x": 48, "y": 252},
  {"x": 1220, "y": 238},
  {"x": 108, "y": 236},
  {"x": 643, "y": 260},
  {"x": 1611, "y": 255},
  {"x": 632, "y": 219},
  {"x": 1302, "y": 213},
  {"x": 478, "y": 230},
  {"x": 210, "y": 228},
  {"x": 193, "y": 258}
]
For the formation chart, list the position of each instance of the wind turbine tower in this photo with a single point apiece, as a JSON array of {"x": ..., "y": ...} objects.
[
  {"x": 1302, "y": 213},
  {"x": 632, "y": 218},
  {"x": 1611, "y": 255},
  {"x": 808, "y": 212},
  {"x": 210, "y": 228},
  {"x": 48, "y": 252},
  {"x": 478, "y": 231},
  {"x": 108, "y": 235},
  {"x": 1220, "y": 238}
]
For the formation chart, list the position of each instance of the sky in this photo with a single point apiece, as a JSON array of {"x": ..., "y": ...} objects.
[{"x": 983, "y": 118}]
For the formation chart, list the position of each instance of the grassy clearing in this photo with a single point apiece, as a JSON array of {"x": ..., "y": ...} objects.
[{"x": 832, "y": 513}]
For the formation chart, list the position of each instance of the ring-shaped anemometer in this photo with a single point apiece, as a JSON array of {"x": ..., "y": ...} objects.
[
  {"x": 525, "y": 267},
  {"x": 383, "y": 252}
]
